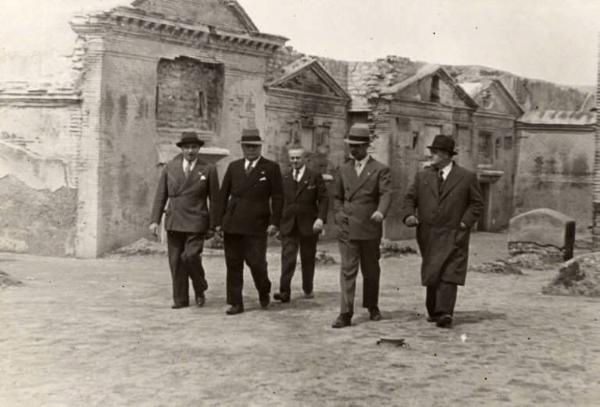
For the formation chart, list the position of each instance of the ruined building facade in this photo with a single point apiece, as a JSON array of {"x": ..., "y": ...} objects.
[{"x": 79, "y": 162}]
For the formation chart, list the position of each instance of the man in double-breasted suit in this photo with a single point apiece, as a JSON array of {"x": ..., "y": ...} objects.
[
  {"x": 444, "y": 202},
  {"x": 186, "y": 188},
  {"x": 250, "y": 204},
  {"x": 305, "y": 203},
  {"x": 361, "y": 201}
]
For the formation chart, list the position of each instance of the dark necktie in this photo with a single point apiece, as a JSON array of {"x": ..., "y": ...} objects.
[
  {"x": 440, "y": 181},
  {"x": 249, "y": 167},
  {"x": 296, "y": 175},
  {"x": 186, "y": 169}
]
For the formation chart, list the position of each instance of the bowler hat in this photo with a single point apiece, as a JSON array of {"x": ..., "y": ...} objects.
[
  {"x": 189, "y": 137},
  {"x": 251, "y": 136},
  {"x": 359, "y": 134},
  {"x": 443, "y": 143}
]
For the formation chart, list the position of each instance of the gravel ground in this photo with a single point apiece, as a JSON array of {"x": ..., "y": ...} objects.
[{"x": 101, "y": 333}]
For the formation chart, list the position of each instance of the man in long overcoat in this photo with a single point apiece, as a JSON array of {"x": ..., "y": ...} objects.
[
  {"x": 444, "y": 202},
  {"x": 305, "y": 203},
  {"x": 250, "y": 204},
  {"x": 361, "y": 201},
  {"x": 186, "y": 188}
]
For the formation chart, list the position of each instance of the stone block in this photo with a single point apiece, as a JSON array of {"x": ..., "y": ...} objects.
[{"x": 542, "y": 231}]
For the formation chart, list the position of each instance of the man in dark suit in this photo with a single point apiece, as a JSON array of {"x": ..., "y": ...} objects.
[
  {"x": 305, "y": 204},
  {"x": 361, "y": 201},
  {"x": 185, "y": 187},
  {"x": 250, "y": 200},
  {"x": 443, "y": 203}
]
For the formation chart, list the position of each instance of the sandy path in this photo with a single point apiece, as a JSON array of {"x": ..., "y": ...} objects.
[{"x": 101, "y": 333}]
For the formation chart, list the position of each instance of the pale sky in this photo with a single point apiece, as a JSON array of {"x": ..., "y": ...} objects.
[{"x": 555, "y": 40}]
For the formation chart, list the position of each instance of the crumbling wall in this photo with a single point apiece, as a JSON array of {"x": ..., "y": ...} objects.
[
  {"x": 39, "y": 138},
  {"x": 554, "y": 170},
  {"x": 37, "y": 221}
]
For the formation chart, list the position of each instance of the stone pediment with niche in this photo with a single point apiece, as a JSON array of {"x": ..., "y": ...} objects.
[
  {"x": 308, "y": 82},
  {"x": 308, "y": 76},
  {"x": 431, "y": 84},
  {"x": 495, "y": 98},
  {"x": 218, "y": 13}
]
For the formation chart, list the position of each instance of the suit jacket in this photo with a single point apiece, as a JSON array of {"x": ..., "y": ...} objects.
[
  {"x": 185, "y": 200},
  {"x": 248, "y": 204},
  {"x": 303, "y": 202},
  {"x": 356, "y": 198},
  {"x": 444, "y": 245}
]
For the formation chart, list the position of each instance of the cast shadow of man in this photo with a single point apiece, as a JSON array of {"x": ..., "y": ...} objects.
[{"x": 460, "y": 317}]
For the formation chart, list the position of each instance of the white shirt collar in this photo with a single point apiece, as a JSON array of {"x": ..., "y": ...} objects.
[
  {"x": 363, "y": 161},
  {"x": 188, "y": 164},
  {"x": 248, "y": 162},
  {"x": 446, "y": 170},
  {"x": 300, "y": 172}
]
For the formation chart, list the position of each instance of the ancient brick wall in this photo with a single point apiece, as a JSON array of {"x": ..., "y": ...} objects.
[
  {"x": 502, "y": 157},
  {"x": 39, "y": 138},
  {"x": 189, "y": 95},
  {"x": 122, "y": 156},
  {"x": 555, "y": 170}
]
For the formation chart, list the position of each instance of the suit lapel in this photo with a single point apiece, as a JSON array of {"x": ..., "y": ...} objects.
[
  {"x": 364, "y": 176},
  {"x": 179, "y": 175},
  {"x": 432, "y": 180},
  {"x": 302, "y": 183},
  {"x": 453, "y": 178},
  {"x": 253, "y": 177}
]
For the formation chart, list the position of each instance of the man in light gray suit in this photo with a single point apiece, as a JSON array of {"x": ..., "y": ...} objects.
[{"x": 361, "y": 201}]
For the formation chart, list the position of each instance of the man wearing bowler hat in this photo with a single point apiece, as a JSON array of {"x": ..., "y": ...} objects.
[
  {"x": 251, "y": 201},
  {"x": 185, "y": 189},
  {"x": 443, "y": 203},
  {"x": 361, "y": 201}
]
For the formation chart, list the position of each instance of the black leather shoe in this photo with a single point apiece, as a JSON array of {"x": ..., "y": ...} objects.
[
  {"x": 283, "y": 297},
  {"x": 200, "y": 299},
  {"x": 309, "y": 295},
  {"x": 444, "y": 321},
  {"x": 374, "y": 314},
  {"x": 177, "y": 306},
  {"x": 342, "y": 321},
  {"x": 264, "y": 299},
  {"x": 235, "y": 309},
  {"x": 432, "y": 318}
]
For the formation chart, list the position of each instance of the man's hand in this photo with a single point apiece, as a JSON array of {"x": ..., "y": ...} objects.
[
  {"x": 318, "y": 225},
  {"x": 463, "y": 226},
  {"x": 154, "y": 228},
  {"x": 209, "y": 234},
  {"x": 411, "y": 221},
  {"x": 272, "y": 230},
  {"x": 377, "y": 217},
  {"x": 219, "y": 232}
]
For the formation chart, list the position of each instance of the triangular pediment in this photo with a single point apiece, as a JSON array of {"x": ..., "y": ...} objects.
[
  {"x": 226, "y": 14},
  {"x": 310, "y": 77},
  {"x": 492, "y": 96},
  {"x": 434, "y": 85}
]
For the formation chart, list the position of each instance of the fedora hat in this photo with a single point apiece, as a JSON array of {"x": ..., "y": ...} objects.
[
  {"x": 359, "y": 134},
  {"x": 251, "y": 136},
  {"x": 189, "y": 137},
  {"x": 443, "y": 143}
]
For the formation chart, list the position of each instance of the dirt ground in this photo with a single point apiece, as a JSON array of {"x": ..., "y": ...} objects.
[{"x": 101, "y": 333}]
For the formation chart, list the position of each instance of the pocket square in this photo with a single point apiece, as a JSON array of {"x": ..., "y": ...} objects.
[
  {"x": 202, "y": 178},
  {"x": 263, "y": 179}
]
